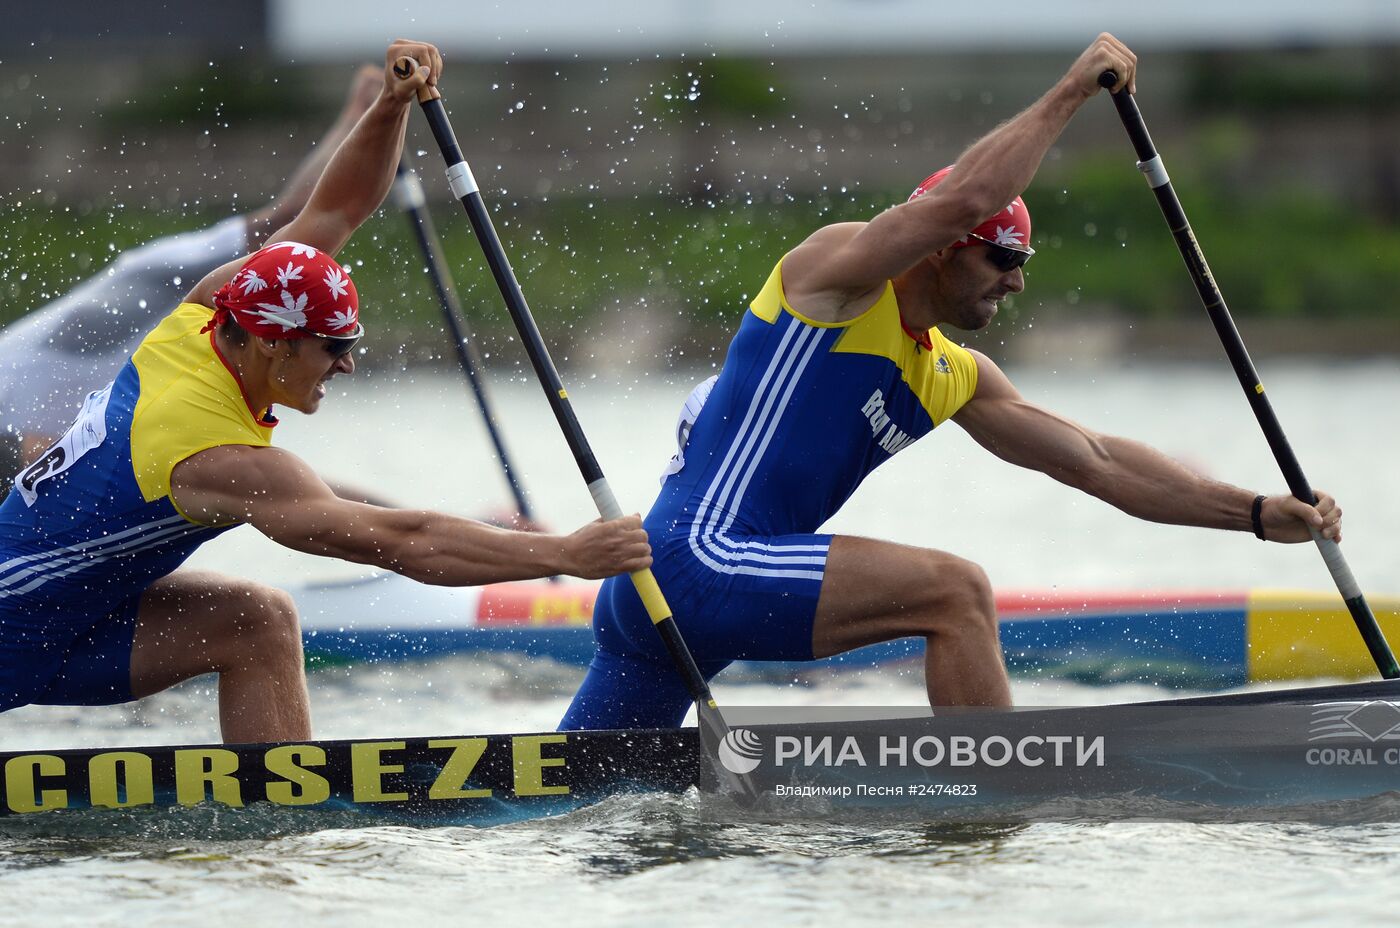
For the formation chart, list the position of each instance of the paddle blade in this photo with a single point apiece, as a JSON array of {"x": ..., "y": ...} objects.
[{"x": 714, "y": 735}]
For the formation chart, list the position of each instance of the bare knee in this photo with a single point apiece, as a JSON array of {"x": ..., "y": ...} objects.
[
  {"x": 961, "y": 601},
  {"x": 259, "y": 624}
]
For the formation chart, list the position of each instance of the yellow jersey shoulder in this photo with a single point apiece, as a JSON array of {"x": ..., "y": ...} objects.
[
  {"x": 943, "y": 378},
  {"x": 189, "y": 401},
  {"x": 772, "y": 302}
]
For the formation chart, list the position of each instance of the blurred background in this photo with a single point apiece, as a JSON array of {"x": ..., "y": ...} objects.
[{"x": 647, "y": 163}]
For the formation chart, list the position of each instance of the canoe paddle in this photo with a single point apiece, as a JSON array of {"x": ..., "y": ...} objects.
[
  {"x": 1150, "y": 164},
  {"x": 408, "y": 193},
  {"x": 464, "y": 188}
]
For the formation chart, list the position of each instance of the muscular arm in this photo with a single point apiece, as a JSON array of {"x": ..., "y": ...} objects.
[
  {"x": 359, "y": 173},
  {"x": 841, "y": 263},
  {"x": 364, "y": 91},
  {"x": 1127, "y": 474},
  {"x": 282, "y": 497}
]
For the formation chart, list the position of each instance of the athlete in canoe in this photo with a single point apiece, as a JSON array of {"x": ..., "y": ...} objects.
[
  {"x": 178, "y": 449},
  {"x": 59, "y": 353},
  {"x": 839, "y": 364}
]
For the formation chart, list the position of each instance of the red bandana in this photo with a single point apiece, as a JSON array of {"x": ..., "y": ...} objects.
[
  {"x": 1010, "y": 227},
  {"x": 288, "y": 290}
]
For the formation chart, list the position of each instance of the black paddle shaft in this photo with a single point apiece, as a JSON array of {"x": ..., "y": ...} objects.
[
  {"x": 514, "y": 297},
  {"x": 468, "y": 357},
  {"x": 1150, "y": 164},
  {"x": 464, "y": 187}
]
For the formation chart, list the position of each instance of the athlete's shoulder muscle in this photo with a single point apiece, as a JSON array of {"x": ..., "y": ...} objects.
[
  {"x": 810, "y": 285},
  {"x": 229, "y": 483}
]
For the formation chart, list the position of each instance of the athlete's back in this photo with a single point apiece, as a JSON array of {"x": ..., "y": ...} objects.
[{"x": 801, "y": 413}]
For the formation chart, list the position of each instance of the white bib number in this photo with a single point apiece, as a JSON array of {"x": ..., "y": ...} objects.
[
  {"x": 689, "y": 413},
  {"x": 87, "y": 432}
]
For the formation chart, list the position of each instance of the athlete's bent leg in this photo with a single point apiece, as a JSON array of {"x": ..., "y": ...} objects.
[
  {"x": 621, "y": 691},
  {"x": 877, "y": 591},
  {"x": 196, "y": 622}
]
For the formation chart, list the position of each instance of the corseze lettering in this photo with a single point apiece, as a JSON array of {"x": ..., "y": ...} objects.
[
  {"x": 528, "y": 764},
  {"x": 23, "y": 790},
  {"x": 120, "y": 779},
  {"x": 450, "y": 783},
  {"x": 206, "y": 771},
  {"x": 367, "y": 771},
  {"x": 299, "y": 786}
]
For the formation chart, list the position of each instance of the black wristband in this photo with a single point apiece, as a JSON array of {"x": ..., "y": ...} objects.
[{"x": 1255, "y": 513}]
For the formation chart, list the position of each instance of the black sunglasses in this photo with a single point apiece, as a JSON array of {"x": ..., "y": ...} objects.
[
  {"x": 337, "y": 346},
  {"x": 1004, "y": 258}
]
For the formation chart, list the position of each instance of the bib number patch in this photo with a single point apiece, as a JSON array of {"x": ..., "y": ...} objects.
[
  {"x": 689, "y": 413},
  {"x": 87, "y": 432}
]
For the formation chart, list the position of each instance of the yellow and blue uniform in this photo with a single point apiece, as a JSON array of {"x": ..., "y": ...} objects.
[
  {"x": 91, "y": 524},
  {"x": 801, "y": 413}
]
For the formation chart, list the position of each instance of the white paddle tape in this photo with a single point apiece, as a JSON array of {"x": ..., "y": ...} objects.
[
  {"x": 460, "y": 177},
  {"x": 603, "y": 498},
  {"x": 1337, "y": 566},
  {"x": 408, "y": 192},
  {"x": 1155, "y": 172}
]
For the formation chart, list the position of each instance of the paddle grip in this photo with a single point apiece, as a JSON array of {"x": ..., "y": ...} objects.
[{"x": 403, "y": 70}]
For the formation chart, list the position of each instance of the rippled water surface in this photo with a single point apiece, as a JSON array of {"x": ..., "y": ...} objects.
[{"x": 643, "y": 860}]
